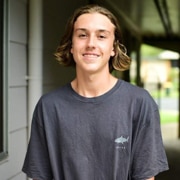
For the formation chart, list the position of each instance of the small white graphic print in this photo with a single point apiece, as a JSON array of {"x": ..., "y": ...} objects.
[{"x": 121, "y": 140}]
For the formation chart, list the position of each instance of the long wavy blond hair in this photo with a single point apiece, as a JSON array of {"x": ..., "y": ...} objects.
[{"x": 63, "y": 55}]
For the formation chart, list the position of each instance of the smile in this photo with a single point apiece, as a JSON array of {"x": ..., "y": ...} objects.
[{"x": 90, "y": 55}]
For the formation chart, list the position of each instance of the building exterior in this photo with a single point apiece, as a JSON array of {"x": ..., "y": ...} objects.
[{"x": 30, "y": 32}]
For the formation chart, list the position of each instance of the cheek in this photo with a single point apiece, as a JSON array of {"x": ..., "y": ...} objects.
[{"x": 109, "y": 48}]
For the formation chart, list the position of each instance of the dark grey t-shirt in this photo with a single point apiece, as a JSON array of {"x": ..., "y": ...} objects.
[{"x": 115, "y": 136}]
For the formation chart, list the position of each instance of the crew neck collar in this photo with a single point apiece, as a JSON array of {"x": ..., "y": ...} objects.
[{"x": 97, "y": 98}]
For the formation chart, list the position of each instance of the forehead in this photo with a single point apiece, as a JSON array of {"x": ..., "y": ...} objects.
[{"x": 94, "y": 21}]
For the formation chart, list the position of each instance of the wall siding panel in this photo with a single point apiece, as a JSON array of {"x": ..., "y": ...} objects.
[
  {"x": 18, "y": 108},
  {"x": 17, "y": 65},
  {"x": 10, "y": 168},
  {"x": 18, "y": 21}
]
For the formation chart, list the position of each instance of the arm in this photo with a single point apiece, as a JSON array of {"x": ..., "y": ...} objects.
[{"x": 151, "y": 178}]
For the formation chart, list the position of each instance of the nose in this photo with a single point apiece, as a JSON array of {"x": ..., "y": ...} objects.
[{"x": 91, "y": 42}]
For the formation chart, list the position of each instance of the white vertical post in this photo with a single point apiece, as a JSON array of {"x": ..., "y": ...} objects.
[{"x": 35, "y": 57}]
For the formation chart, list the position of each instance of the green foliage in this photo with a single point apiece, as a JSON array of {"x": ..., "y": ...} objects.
[
  {"x": 168, "y": 116},
  {"x": 147, "y": 50}
]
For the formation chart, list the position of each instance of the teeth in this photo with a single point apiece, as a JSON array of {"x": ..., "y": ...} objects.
[{"x": 90, "y": 55}]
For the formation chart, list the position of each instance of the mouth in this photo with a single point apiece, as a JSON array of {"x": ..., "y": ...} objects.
[{"x": 90, "y": 55}]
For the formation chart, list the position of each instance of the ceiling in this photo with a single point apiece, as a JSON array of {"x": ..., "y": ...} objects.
[{"x": 154, "y": 22}]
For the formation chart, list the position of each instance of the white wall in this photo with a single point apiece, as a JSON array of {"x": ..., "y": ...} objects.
[{"x": 10, "y": 168}]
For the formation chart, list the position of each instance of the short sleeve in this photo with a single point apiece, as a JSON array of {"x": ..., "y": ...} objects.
[
  {"x": 149, "y": 156},
  {"x": 37, "y": 163}
]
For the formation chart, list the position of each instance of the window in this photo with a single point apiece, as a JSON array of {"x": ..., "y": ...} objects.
[{"x": 3, "y": 84}]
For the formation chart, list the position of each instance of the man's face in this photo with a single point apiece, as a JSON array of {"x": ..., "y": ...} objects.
[{"x": 92, "y": 42}]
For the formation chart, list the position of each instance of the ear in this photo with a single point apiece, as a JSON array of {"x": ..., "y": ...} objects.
[
  {"x": 71, "y": 50},
  {"x": 112, "y": 53}
]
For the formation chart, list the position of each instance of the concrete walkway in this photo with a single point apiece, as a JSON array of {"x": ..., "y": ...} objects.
[{"x": 172, "y": 147}]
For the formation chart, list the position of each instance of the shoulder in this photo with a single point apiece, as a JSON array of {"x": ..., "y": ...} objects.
[
  {"x": 140, "y": 104},
  {"x": 51, "y": 102},
  {"x": 54, "y": 97},
  {"x": 137, "y": 95},
  {"x": 135, "y": 91},
  {"x": 58, "y": 93}
]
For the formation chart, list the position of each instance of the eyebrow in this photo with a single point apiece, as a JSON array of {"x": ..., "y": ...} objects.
[{"x": 99, "y": 30}]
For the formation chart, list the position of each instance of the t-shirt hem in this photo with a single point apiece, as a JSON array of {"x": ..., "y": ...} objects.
[
  {"x": 153, "y": 174},
  {"x": 32, "y": 176}
]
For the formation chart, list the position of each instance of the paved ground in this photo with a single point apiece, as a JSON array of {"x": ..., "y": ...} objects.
[
  {"x": 169, "y": 132},
  {"x": 167, "y": 103},
  {"x": 172, "y": 146}
]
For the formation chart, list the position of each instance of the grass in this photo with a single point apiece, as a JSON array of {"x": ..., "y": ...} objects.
[
  {"x": 168, "y": 116},
  {"x": 162, "y": 93}
]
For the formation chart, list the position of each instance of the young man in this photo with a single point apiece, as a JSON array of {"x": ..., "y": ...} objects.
[{"x": 97, "y": 127}]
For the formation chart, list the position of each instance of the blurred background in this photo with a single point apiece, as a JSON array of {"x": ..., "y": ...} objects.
[{"x": 30, "y": 31}]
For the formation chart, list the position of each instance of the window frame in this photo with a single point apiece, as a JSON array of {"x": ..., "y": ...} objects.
[
  {"x": 1, "y": 76},
  {"x": 3, "y": 80}
]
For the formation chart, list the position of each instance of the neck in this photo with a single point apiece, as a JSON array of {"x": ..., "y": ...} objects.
[{"x": 93, "y": 85}]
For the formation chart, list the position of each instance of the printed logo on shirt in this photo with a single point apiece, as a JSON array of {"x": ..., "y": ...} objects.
[{"x": 121, "y": 142}]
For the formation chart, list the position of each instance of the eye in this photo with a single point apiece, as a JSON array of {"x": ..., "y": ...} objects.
[
  {"x": 101, "y": 37},
  {"x": 83, "y": 35}
]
